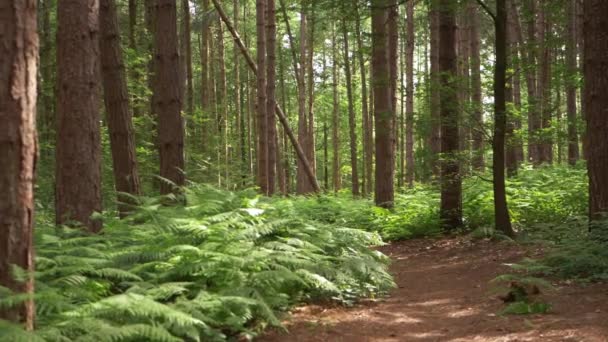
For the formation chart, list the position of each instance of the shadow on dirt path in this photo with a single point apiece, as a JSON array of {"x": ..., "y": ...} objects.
[{"x": 443, "y": 294}]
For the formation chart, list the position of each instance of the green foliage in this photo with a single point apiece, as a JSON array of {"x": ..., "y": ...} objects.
[
  {"x": 219, "y": 266},
  {"x": 525, "y": 308}
]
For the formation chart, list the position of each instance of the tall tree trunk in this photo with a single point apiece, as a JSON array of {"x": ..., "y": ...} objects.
[
  {"x": 501, "y": 211},
  {"x": 573, "y": 149},
  {"x": 262, "y": 133},
  {"x": 335, "y": 136},
  {"x": 393, "y": 48},
  {"x": 18, "y": 151},
  {"x": 310, "y": 83},
  {"x": 271, "y": 43},
  {"x": 464, "y": 93},
  {"x": 302, "y": 120},
  {"x": 167, "y": 96},
  {"x": 515, "y": 32},
  {"x": 278, "y": 110},
  {"x": 510, "y": 140},
  {"x": 78, "y": 151},
  {"x": 222, "y": 105},
  {"x": 134, "y": 74},
  {"x": 204, "y": 54},
  {"x": 238, "y": 103},
  {"x": 283, "y": 150},
  {"x": 596, "y": 103},
  {"x": 116, "y": 97},
  {"x": 367, "y": 135},
  {"x": 581, "y": 51},
  {"x": 546, "y": 145},
  {"x": 186, "y": 54},
  {"x": 47, "y": 86},
  {"x": 383, "y": 111},
  {"x": 478, "y": 162},
  {"x": 531, "y": 83},
  {"x": 352, "y": 125},
  {"x": 409, "y": 103},
  {"x": 451, "y": 183},
  {"x": 435, "y": 136}
]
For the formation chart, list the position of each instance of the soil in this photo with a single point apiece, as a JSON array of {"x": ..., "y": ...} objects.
[{"x": 444, "y": 294}]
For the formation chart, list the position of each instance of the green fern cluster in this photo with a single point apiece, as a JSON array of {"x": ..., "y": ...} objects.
[{"x": 221, "y": 265}]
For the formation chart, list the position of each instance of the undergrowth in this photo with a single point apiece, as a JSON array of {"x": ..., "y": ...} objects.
[{"x": 219, "y": 267}]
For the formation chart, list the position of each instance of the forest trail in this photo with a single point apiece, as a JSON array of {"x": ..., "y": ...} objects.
[{"x": 444, "y": 294}]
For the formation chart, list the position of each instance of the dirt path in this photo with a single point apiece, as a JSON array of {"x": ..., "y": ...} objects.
[{"x": 443, "y": 294}]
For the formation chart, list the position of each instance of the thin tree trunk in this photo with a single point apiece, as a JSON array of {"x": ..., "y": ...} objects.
[
  {"x": 271, "y": 43},
  {"x": 222, "y": 104},
  {"x": 18, "y": 151},
  {"x": 335, "y": 136},
  {"x": 134, "y": 74},
  {"x": 352, "y": 125},
  {"x": 519, "y": 59},
  {"x": 311, "y": 88},
  {"x": 511, "y": 50},
  {"x": 309, "y": 172},
  {"x": 478, "y": 162},
  {"x": 47, "y": 86},
  {"x": 533, "y": 105},
  {"x": 435, "y": 136},
  {"x": 187, "y": 56},
  {"x": 167, "y": 96},
  {"x": 205, "y": 91},
  {"x": 546, "y": 145},
  {"x": 581, "y": 51},
  {"x": 116, "y": 97},
  {"x": 283, "y": 149},
  {"x": 393, "y": 43},
  {"x": 78, "y": 150},
  {"x": 596, "y": 102},
  {"x": 262, "y": 108},
  {"x": 573, "y": 149},
  {"x": 303, "y": 134},
  {"x": 409, "y": 104},
  {"x": 383, "y": 111},
  {"x": 368, "y": 145},
  {"x": 501, "y": 211},
  {"x": 451, "y": 183}
]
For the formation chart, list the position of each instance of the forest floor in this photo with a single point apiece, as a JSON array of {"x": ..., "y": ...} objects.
[{"x": 444, "y": 294}]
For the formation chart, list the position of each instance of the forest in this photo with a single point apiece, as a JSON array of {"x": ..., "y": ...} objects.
[{"x": 303, "y": 170}]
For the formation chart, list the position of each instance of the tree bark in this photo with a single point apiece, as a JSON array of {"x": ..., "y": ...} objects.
[
  {"x": 116, "y": 97},
  {"x": 546, "y": 143},
  {"x": 271, "y": 43},
  {"x": 451, "y": 183},
  {"x": 409, "y": 103},
  {"x": 303, "y": 134},
  {"x": 78, "y": 150},
  {"x": 335, "y": 136},
  {"x": 393, "y": 43},
  {"x": 262, "y": 133},
  {"x": 501, "y": 211},
  {"x": 596, "y": 103},
  {"x": 18, "y": 151},
  {"x": 510, "y": 141},
  {"x": 367, "y": 135},
  {"x": 352, "y": 125},
  {"x": 478, "y": 161},
  {"x": 167, "y": 96},
  {"x": 383, "y": 111},
  {"x": 186, "y": 55},
  {"x": 435, "y": 136},
  {"x": 571, "y": 52},
  {"x": 531, "y": 83}
]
